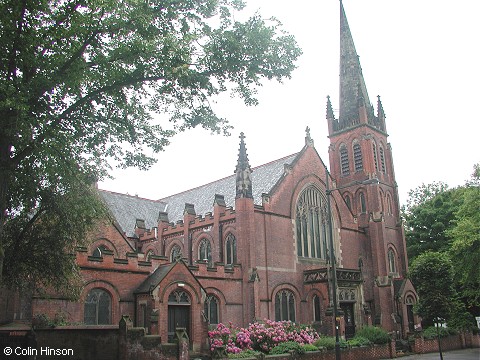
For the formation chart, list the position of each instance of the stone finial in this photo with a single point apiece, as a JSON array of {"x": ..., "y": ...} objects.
[
  {"x": 330, "y": 114},
  {"x": 308, "y": 138}
]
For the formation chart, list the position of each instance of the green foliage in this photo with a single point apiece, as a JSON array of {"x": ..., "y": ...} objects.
[
  {"x": 429, "y": 219},
  {"x": 359, "y": 341},
  {"x": 465, "y": 249},
  {"x": 286, "y": 347},
  {"x": 374, "y": 334},
  {"x": 431, "y": 332},
  {"x": 43, "y": 321},
  {"x": 244, "y": 354},
  {"x": 309, "y": 347},
  {"x": 328, "y": 342},
  {"x": 40, "y": 246},
  {"x": 87, "y": 84},
  {"x": 432, "y": 275}
]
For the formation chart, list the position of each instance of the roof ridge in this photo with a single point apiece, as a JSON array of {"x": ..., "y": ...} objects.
[
  {"x": 130, "y": 196},
  {"x": 223, "y": 178}
]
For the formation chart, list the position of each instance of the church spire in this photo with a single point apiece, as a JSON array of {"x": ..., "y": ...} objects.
[
  {"x": 354, "y": 100},
  {"x": 243, "y": 171}
]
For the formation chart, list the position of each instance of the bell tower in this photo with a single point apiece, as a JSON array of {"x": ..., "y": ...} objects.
[{"x": 361, "y": 166}]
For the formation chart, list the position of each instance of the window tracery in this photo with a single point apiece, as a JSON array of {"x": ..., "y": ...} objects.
[{"x": 311, "y": 227}]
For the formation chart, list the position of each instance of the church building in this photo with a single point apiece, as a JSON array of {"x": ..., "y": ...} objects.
[{"x": 256, "y": 245}]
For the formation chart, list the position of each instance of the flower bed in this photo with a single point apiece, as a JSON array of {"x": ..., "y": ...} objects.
[{"x": 259, "y": 336}]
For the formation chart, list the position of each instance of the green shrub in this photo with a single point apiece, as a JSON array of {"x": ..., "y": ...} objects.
[
  {"x": 244, "y": 354},
  {"x": 286, "y": 347},
  {"x": 309, "y": 347},
  {"x": 328, "y": 342},
  {"x": 359, "y": 341},
  {"x": 375, "y": 334},
  {"x": 431, "y": 332}
]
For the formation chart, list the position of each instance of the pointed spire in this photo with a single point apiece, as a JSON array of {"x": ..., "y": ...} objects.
[
  {"x": 353, "y": 91},
  {"x": 243, "y": 171}
]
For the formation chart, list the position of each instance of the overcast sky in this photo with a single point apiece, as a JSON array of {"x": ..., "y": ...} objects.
[{"x": 421, "y": 56}]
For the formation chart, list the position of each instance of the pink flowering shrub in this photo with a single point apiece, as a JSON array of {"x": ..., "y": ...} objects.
[{"x": 260, "y": 336}]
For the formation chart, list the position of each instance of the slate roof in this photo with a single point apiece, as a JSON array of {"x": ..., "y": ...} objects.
[
  {"x": 154, "y": 278},
  {"x": 264, "y": 177},
  {"x": 126, "y": 208}
]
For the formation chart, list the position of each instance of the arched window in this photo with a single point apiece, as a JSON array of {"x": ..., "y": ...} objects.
[
  {"x": 316, "y": 308},
  {"x": 389, "y": 205},
  {"x": 148, "y": 255},
  {"x": 284, "y": 306},
  {"x": 205, "y": 251},
  {"x": 178, "y": 297},
  {"x": 357, "y": 157},
  {"x": 176, "y": 253},
  {"x": 230, "y": 249},
  {"x": 392, "y": 266},
  {"x": 344, "y": 162},
  {"x": 382, "y": 160},
  {"x": 97, "y": 308},
  {"x": 375, "y": 160},
  {"x": 211, "y": 309},
  {"x": 363, "y": 203},
  {"x": 98, "y": 252},
  {"x": 348, "y": 202},
  {"x": 311, "y": 224}
]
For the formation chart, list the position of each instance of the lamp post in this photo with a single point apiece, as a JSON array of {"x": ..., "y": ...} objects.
[
  {"x": 334, "y": 267},
  {"x": 332, "y": 257}
]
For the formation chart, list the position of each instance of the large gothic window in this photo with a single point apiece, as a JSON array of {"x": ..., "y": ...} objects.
[
  {"x": 344, "y": 162},
  {"x": 357, "y": 157},
  {"x": 211, "y": 309},
  {"x": 230, "y": 250},
  {"x": 97, "y": 308},
  {"x": 311, "y": 226},
  {"x": 284, "y": 306}
]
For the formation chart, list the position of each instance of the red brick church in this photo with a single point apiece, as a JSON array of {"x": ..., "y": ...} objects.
[{"x": 255, "y": 244}]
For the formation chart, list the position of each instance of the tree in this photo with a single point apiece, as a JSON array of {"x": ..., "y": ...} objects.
[
  {"x": 432, "y": 275},
  {"x": 465, "y": 249},
  {"x": 88, "y": 82},
  {"x": 428, "y": 217}
]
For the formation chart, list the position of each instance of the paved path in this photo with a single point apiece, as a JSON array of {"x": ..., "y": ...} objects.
[{"x": 465, "y": 354}]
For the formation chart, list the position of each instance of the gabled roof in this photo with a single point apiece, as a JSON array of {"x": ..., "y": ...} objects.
[
  {"x": 154, "y": 279},
  {"x": 126, "y": 208}
]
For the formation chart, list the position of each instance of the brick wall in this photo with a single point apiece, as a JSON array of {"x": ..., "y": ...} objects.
[{"x": 453, "y": 342}]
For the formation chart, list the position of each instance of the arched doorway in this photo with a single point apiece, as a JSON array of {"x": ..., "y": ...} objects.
[{"x": 178, "y": 313}]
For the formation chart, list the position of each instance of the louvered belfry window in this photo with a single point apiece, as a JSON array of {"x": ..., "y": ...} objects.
[
  {"x": 357, "y": 157},
  {"x": 344, "y": 163}
]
